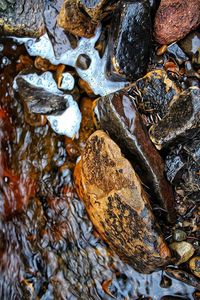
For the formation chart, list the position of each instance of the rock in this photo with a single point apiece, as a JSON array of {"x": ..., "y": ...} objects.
[
  {"x": 191, "y": 43},
  {"x": 183, "y": 276},
  {"x": 154, "y": 92},
  {"x": 98, "y": 9},
  {"x": 174, "y": 167},
  {"x": 192, "y": 148},
  {"x": 184, "y": 250},
  {"x": 179, "y": 235},
  {"x": 83, "y": 61},
  {"x": 181, "y": 122},
  {"x": 116, "y": 114},
  {"x": 60, "y": 40},
  {"x": 74, "y": 20},
  {"x": 194, "y": 265},
  {"x": 118, "y": 206},
  {"x": 128, "y": 52},
  {"x": 40, "y": 101},
  {"x": 177, "y": 53},
  {"x": 175, "y": 19},
  {"x": 22, "y": 19}
]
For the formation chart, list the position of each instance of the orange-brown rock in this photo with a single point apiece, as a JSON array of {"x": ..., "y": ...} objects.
[
  {"x": 175, "y": 19},
  {"x": 118, "y": 205},
  {"x": 74, "y": 20}
]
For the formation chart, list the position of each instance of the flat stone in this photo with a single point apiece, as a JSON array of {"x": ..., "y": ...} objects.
[
  {"x": 175, "y": 19},
  {"x": 118, "y": 205}
]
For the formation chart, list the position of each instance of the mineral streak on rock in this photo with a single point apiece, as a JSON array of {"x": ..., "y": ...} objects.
[
  {"x": 130, "y": 40},
  {"x": 181, "y": 121},
  {"x": 74, "y": 20},
  {"x": 118, "y": 205},
  {"x": 22, "y": 18},
  {"x": 175, "y": 19},
  {"x": 117, "y": 115}
]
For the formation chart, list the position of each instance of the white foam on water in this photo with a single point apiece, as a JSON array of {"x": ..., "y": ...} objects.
[
  {"x": 67, "y": 82},
  {"x": 94, "y": 75},
  {"x": 68, "y": 123}
]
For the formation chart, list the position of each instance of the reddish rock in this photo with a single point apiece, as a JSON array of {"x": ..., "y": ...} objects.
[{"x": 175, "y": 19}]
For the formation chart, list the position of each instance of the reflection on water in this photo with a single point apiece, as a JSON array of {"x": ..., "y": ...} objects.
[{"x": 48, "y": 247}]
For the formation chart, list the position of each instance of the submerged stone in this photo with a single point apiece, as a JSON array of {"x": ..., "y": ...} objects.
[
  {"x": 118, "y": 205},
  {"x": 74, "y": 20},
  {"x": 117, "y": 114},
  {"x": 181, "y": 121},
  {"x": 129, "y": 40},
  {"x": 175, "y": 19},
  {"x": 22, "y": 19},
  {"x": 183, "y": 276}
]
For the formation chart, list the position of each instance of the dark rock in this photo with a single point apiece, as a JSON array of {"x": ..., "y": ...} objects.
[
  {"x": 193, "y": 150},
  {"x": 39, "y": 100},
  {"x": 181, "y": 122},
  {"x": 83, "y": 61},
  {"x": 22, "y": 18},
  {"x": 73, "y": 19},
  {"x": 183, "y": 276},
  {"x": 175, "y": 19},
  {"x": 177, "y": 53},
  {"x": 117, "y": 115},
  {"x": 179, "y": 235},
  {"x": 128, "y": 49},
  {"x": 174, "y": 167},
  {"x": 154, "y": 93},
  {"x": 118, "y": 206}
]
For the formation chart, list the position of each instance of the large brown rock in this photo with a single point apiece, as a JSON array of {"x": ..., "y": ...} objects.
[
  {"x": 118, "y": 205},
  {"x": 74, "y": 20},
  {"x": 175, "y": 19}
]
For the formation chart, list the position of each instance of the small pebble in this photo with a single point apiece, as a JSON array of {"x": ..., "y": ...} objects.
[
  {"x": 194, "y": 265},
  {"x": 3, "y": 5},
  {"x": 161, "y": 50},
  {"x": 165, "y": 282},
  {"x": 179, "y": 235},
  {"x": 83, "y": 61},
  {"x": 184, "y": 250}
]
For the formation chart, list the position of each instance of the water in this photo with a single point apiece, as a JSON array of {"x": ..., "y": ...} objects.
[{"x": 48, "y": 246}]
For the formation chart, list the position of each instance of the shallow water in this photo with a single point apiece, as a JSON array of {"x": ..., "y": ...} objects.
[{"x": 48, "y": 247}]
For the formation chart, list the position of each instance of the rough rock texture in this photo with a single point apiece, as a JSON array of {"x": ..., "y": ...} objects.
[
  {"x": 175, "y": 19},
  {"x": 117, "y": 115},
  {"x": 128, "y": 49},
  {"x": 22, "y": 18},
  {"x": 74, "y": 20},
  {"x": 118, "y": 206},
  {"x": 181, "y": 122}
]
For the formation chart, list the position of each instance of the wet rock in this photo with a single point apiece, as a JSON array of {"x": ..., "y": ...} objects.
[
  {"x": 22, "y": 19},
  {"x": 154, "y": 92},
  {"x": 61, "y": 40},
  {"x": 165, "y": 282},
  {"x": 191, "y": 43},
  {"x": 98, "y": 9},
  {"x": 128, "y": 50},
  {"x": 83, "y": 61},
  {"x": 74, "y": 20},
  {"x": 183, "y": 276},
  {"x": 193, "y": 150},
  {"x": 177, "y": 53},
  {"x": 39, "y": 100},
  {"x": 179, "y": 235},
  {"x": 175, "y": 19},
  {"x": 116, "y": 114},
  {"x": 184, "y": 251},
  {"x": 174, "y": 167},
  {"x": 181, "y": 122},
  {"x": 194, "y": 265},
  {"x": 117, "y": 204}
]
